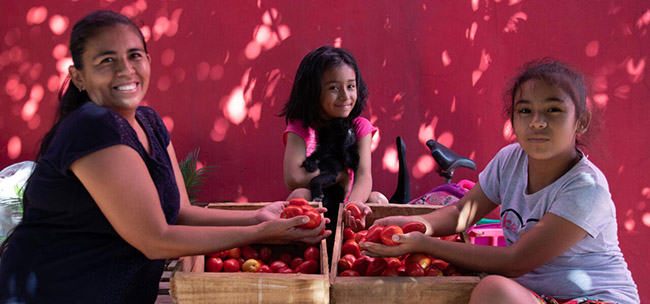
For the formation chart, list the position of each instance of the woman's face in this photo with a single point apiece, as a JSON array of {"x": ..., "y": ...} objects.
[
  {"x": 338, "y": 92},
  {"x": 116, "y": 69}
]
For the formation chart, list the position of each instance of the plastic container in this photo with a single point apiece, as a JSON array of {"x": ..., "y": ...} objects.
[{"x": 487, "y": 234}]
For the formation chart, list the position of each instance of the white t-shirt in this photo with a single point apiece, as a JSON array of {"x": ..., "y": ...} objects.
[{"x": 594, "y": 267}]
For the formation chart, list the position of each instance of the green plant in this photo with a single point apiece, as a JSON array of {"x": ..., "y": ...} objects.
[{"x": 193, "y": 177}]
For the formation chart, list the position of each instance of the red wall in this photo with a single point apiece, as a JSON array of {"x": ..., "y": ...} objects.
[{"x": 436, "y": 69}]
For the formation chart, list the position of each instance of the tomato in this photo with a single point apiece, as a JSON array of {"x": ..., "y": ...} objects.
[
  {"x": 348, "y": 234},
  {"x": 306, "y": 208},
  {"x": 354, "y": 210},
  {"x": 249, "y": 252},
  {"x": 401, "y": 271},
  {"x": 351, "y": 247},
  {"x": 394, "y": 262},
  {"x": 296, "y": 262},
  {"x": 277, "y": 265},
  {"x": 414, "y": 226},
  {"x": 434, "y": 272},
  {"x": 346, "y": 262},
  {"x": 349, "y": 273},
  {"x": 285, "y": 270},
  {"x": 291, "y": 211},
  {"x": 414, "y": 270},
  {"x": 231, "y": 265},
  {"x": 312, "y": 253},
  {"x": 286, "y": 258},
  {"x": 308, "y": 267},
  {"x": 265, "y": 268},
  {"x": 314, "y": 219},
  {"x": 440, "y": 264},
  {"x": 213, "y": 264},
  {"x": 251, "y": 265},
  {"x": 234, "y": 253},
  {"x": 387, "y": 234},
  {"x": 298, "y": 201},
  {"x": 376, "y": 267},
  {"x": 450, "y": 271},
  {"x": 361, "y": 264},
  {"x": 419, "y": 258},
  {"x": 265, "y": 254},
  {"x": 374, "y": 234},
  {"x": 361, "y": 236},
  {"x": 390, "y": 272}
]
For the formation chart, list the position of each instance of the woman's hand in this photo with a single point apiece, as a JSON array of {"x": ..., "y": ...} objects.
[
  {"x": 409, "y": 243},
  {"x": 356, "y": 223},
  {"x": 288, "y": 230},
  {"x": 273, "y": 210}
]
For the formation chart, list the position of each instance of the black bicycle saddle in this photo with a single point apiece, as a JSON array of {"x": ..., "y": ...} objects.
[{"x": 448, "y": 159}]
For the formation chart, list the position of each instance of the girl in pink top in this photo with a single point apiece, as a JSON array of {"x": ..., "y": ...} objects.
[{"x": 328, "y": 85}]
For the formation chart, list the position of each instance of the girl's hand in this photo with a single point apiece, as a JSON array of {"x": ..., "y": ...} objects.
[
  {"x": 354, "y": 223},
  {"x": 409, "y": 243},
  {"x": 273, "y": 211}
]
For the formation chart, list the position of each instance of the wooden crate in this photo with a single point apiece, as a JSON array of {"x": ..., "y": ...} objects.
[
  {"x": 375, "y": 290},
  {"x": 223, "y": 287}
]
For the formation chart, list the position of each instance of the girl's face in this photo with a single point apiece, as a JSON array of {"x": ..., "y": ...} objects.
[
  {"x": 338, "y": 92},
  {"x": 544, "y": 121},
  {"x": 116, "y": 69}
]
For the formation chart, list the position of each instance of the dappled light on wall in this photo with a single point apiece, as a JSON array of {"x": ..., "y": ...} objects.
[
  {"x": 267, "y": 35},
  {"x": 390, "y": 161},
  {"x": 58, "y": 24},
  {"x": 14, "y": 146}
]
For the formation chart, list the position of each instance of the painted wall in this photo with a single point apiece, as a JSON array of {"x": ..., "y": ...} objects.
[{"x": 222, "y": 70}]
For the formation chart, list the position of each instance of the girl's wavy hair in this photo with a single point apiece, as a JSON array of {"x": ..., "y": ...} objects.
[
  {"x": 558, "y": 74},
  {"x": 304, "y": 101}
]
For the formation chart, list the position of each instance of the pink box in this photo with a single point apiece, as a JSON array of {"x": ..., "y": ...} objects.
[{"x": 487, "y": 234}]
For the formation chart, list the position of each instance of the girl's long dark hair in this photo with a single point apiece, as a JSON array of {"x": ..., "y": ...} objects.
[
  {"x": 72, "y": 98},
  {"x": 304, "y": 101}
]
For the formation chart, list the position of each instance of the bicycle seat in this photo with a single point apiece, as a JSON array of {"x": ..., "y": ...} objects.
[{"x": 448, "y": 159}]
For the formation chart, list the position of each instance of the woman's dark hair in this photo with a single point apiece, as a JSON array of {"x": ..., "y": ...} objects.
[
  {"x": 304, "y": 102},
  {"x": 70, "y": 97},
  {"x": 555, "y": 73}
]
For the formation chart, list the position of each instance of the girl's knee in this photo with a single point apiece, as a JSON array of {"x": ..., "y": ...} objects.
[
  {"x": 502, "y": 290},
  {"x": 300, "y": 192},
  {"x": 377, "y": 197}
]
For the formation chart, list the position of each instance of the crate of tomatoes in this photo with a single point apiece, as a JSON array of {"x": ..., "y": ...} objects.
[
  {"x": 412, "y": 278},
  {"x": 292, "y": 272}
]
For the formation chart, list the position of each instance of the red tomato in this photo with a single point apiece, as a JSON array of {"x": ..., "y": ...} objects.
[
  {"x": 414, "y": 270},
  {"x": 251, "y": 265},
  {"x": 351, "y": 247},
  {"x": 354, "y": 210},
  {"x": 249, "y": 252},
  {"x": 376, "y": 267},
  {"x": 265, "y": 268},
  {"x": 421, "y": 259},
  {"x": 414, "y": 226},
  {"x": 390, "y": 272},
  {"x": 285, "y": 270},
  {"x": 349, "y": 273},
  {"x": 231, "y": 265},
  {"x": 440, "y": 264},
  {"x": 314, "y": 219},
  {"x": 312, "y": 253},
  {"x": 213, "y": 264},
  {"x": 296, "y": 262},
  {"x": 286, "y": 258},
  {"x": 374, "y": 234},
  {"x": 308, "y": 267},
  {"x": 348, "y": 234},
  {"x": 394, "y": 262},
  {"x": 234, "y": 253},
  {"x": 361, "y": 264},
  {"x": 306, "y": 208},
  {"x": 346, "y": 262},
  {"x": 387, "y": 234},
  {"x": 450, "y": 271},
  {"x": 277, "y": 265},
  {"x": 291, "y": 211},
  {"x": 298, "y": 201},
  {"x": 434, "y": 272},
  {"x": 265, "y": 254},
  {"x": 361, "y": 235},
  {"x": 401, "y": 271}
]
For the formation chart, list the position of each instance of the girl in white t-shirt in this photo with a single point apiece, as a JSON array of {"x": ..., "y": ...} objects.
[{"x": 558, "y": 218}]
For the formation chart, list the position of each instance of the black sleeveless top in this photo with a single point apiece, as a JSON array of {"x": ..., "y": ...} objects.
[{"x": 65, "y": 250}]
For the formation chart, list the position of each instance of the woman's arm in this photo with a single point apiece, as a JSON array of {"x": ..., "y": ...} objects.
[
  {"x": 295, "y": 176},
  {"x": 119, "y": 182}
]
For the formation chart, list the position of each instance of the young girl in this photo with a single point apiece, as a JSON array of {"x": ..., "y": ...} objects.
[
  {"x": 557, "y": 214},
  {"x": 106, "y": 203},
  {"x": 328, "y": 85}
]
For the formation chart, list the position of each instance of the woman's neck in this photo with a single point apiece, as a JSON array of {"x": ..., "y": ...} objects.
[{"x": 542, "y": 173}]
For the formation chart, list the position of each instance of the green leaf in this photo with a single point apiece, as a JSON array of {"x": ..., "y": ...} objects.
[{"x": 194, "y": 178}]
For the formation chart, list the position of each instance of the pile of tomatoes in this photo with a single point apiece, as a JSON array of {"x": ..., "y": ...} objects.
[
  {"x": 300, "y": 206},
  {"x": 264, "y": 259},
  {"x": 352, "y": 263}
]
